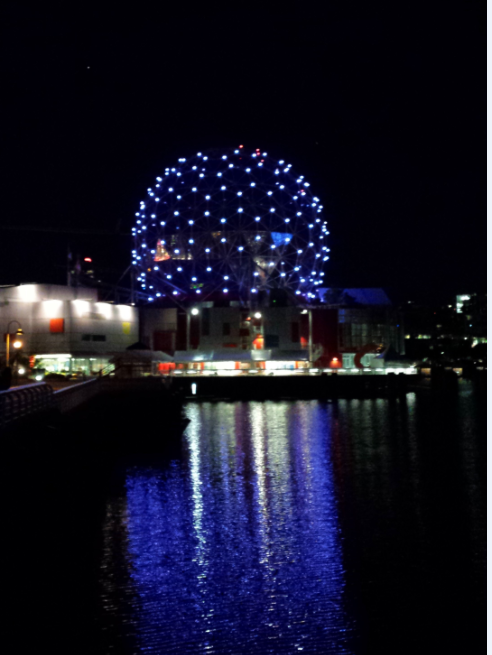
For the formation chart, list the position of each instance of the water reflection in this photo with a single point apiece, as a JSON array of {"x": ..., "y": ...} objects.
[
  {"x": 303, "y": 526},
  {"x": 236, "y": 548}
]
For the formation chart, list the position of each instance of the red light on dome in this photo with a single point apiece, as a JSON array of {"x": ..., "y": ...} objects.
[{"x": 88, "y": 259}]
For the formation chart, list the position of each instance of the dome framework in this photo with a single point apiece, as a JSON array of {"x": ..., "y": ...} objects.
[{"x": 229, "y": 223}]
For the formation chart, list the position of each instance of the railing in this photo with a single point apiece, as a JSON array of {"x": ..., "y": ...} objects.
[
  {"x": 27, "y": 400},
  {"x": 73, "y": 396},
  {"x": 22, "y": 401},
  {"x": 125, "y": 384}
]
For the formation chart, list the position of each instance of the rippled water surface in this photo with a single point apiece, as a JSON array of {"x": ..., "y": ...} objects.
[{"x": 322, "y": 527}]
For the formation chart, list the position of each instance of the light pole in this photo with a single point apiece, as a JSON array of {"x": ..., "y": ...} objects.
[
  {"x": 259, "y": 317},
  {"x": 192, "y": 312},
  {"x": 17, "y": 343},
  {"x": 310, "y": 334},
  {"x": 310, "y": 317}
]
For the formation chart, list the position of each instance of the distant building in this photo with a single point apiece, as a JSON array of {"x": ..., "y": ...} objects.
[
  {"x": 346, "y": 331},
  {"x": 356, "y": 326},
  {"x": 66, "y": 329},
  {"x": 460, "y": 301},
  {"x": 446, "y": 332}
]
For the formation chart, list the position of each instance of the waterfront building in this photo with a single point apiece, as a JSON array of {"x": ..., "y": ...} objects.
[
  {"x": 67, "y": 329},
  {"x": 356, "y": 330},
  {"x": 228, "y": 258},
  {"x": 229, "y": 253}
]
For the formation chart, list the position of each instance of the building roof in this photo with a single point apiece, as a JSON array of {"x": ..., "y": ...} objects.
[
  {"x": 39, "y": 292},
  {"x": 351, "y": 297},
  {"x": 140, "y": 357}
]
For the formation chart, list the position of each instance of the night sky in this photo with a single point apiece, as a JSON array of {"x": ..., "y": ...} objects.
[{"x": 385, "y": 115}]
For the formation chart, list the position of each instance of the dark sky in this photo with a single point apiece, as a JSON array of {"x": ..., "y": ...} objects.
[{"x": 385, "y": 114}]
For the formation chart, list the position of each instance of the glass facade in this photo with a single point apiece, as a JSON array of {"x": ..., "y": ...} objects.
[{"x": 67, "y": 365}]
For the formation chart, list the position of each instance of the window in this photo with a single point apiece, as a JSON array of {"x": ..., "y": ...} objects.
[
  {"x": 226, "y": 329},
  {"x": 98, "y": 337},
  {"x": 86, "y": 337},
  {"x": 348, "y": 360}
]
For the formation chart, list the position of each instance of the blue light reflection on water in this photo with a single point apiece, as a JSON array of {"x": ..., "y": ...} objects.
[{"x": 237, "y": 548}]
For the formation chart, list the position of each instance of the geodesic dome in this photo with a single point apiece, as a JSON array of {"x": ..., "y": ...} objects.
[{"x": 231, "y": 223}]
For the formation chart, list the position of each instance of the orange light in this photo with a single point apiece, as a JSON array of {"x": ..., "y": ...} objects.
[
  {"x": 88, "y": 259},
  {"x": 259, "y": 342},
  {"x": 241, "y": 146},
  {"x": 335, "y": 359}
]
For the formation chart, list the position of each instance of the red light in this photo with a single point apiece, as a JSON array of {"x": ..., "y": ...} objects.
[
  {"x": 241, "y": 146},
  {"x": 88, "y": 259}
]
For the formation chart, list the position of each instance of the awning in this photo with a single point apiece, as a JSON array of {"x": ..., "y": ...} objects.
[
  {"x": 141, "y": 357},
  {"x": 234, "y": 355}
]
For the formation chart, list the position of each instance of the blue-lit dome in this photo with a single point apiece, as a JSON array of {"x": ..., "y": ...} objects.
[{"x": 234, "y": 223}]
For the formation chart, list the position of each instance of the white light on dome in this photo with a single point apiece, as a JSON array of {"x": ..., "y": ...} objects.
[{"x": 232, "y": 237}]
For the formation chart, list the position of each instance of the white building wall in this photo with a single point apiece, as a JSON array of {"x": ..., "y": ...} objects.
[
  {"x": 275, "y": 321},
  {"x": 155, "y": 319},
  {"x": 278, "y": 321},
  {"x": 218, "y": 317},
  {"x": 34, "y": 306}
]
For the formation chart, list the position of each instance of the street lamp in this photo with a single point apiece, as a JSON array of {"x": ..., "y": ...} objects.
[
  {"x": 17, "y": 343},
  {"x": 309, "y": 312},
  {"x": 193, "y": 312},
  {"x": 310, "y": 316}
]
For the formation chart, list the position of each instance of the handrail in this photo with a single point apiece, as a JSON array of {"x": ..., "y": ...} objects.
[
  {"x": 73, "y": 387},
  {"x": 24, "y": 386},
  {"x": 20, "y": 402},
  {"x": 76, "y": 394}
]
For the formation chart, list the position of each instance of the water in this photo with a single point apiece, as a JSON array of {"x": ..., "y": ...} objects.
[{"x": 317, "y": 527}]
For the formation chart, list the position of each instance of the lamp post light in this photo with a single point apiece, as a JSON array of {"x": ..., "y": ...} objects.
[
  {"x": 192, "y": 312},
  {"x": 17, "y": 343},
  {"x": 309, "y": 312},
  {"x": 259, "y": 317},
  {"x": 310, "y": 316}
]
